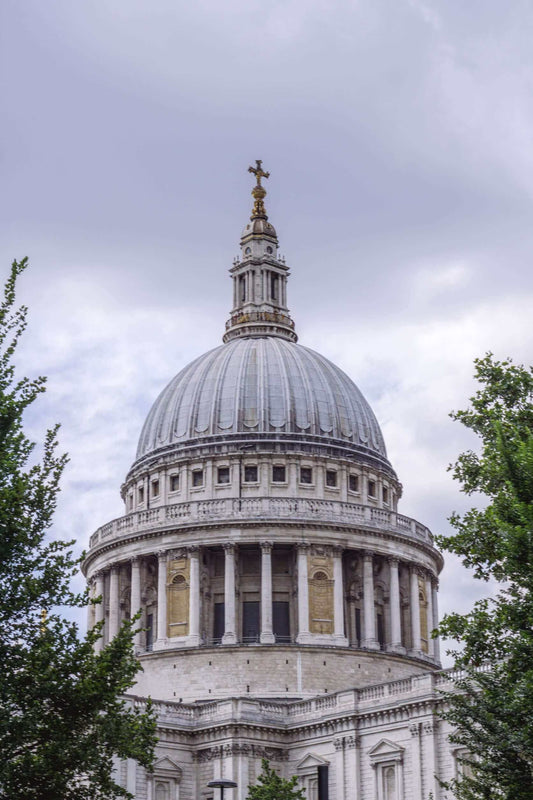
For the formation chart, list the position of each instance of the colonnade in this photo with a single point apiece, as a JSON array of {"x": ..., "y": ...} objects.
[{"x": 369, "y": 635}]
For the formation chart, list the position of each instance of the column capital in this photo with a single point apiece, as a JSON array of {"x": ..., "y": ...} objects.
[
  {"x": 134, "y": 560},
  {"x": 266, "y": 547},
  {"x": 394, "y": 561},
  {"x": 302, "y": 547},
  {"x": 367, "y": 555},
  {"x": 229, "y": 547},
  {"x": 114, "y": 568},
  {"x": 193, "y": 551},
  {"x": 98, "y": 575},
  {"x": 434, "y": 581},
  {"x": 162, "y": 555},
  {"x": 337, "y": 550}
]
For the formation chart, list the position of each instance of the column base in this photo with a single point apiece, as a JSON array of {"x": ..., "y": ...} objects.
[
  {"x": 159, "y": 644},
  {"x": 303, "y": 638},
  {"x": 267, "y": 638},
  {"x": 229, "y": 638},
  {"x": 339, "y": 640},
  {"x": 371, "y": 644},
  {"x": 417, "y": 654},
  {"x": 399, "y": 649}
]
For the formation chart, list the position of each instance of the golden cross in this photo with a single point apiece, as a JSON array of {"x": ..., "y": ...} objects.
[{"x": 258, "y": 171}]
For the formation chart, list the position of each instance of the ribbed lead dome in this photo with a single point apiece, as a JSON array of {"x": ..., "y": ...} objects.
[{"x": 269, "y": 387}]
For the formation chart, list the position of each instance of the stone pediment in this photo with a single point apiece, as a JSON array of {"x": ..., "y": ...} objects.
[
  {"x": 168, "y": 768},
  {"x": 385, "y": 750},
  {"x": 311, "y": 761}
]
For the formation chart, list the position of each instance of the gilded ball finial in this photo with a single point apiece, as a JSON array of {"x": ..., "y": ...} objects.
[{"x": 259, "y": 191}]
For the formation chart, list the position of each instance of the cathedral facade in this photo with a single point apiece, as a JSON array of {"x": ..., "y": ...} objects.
[{"x": 287, "y": 606}]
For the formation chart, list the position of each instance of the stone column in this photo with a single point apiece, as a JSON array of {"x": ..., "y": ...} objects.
[
  {"x": 114, "y": 607},
  {"x": 339, "y": 768},
  {"x": 135, "y": 598},
  {"x": 230, "y": 636},
  {"x": 90, "y": 606},
  {"x": 338, "y": 598},
  {"x": 435, "y": 607},
  {"x": 414, "y": 728},
  {"x": 161, "y": 598},
  {"x": 303, "y": 594},
  {"x": 429, "y": 615},
  {"x": 416, "y": 644},
  {"x": 194, "y": 595},
  {"x": 267, "y": 635},
  {"x": 429, "y": 760},
  {"x": 369, "y": 612},
  {"x": 99, "y": 609},
  {"x": 395, "y": 644}
]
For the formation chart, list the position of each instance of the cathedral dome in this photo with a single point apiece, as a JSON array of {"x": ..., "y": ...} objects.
[{"x": 262, "y": 388}]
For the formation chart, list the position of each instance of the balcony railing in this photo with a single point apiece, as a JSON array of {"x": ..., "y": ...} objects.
[{"x": 267, "y": 509}]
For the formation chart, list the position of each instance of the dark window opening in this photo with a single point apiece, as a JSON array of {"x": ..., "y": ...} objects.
[
  {"x": 371, "y": 488},
  {"x": 385, "y": 495},
  {"x": 278, "y": 474},
  {"x": 323, "y": 783},
  {"x": 306, "y": 475},
  {"x": 353, "y": 483},
  {"x": 281, "y": 623},
  {"x": 155, "y": 488},
  {"x": 149, "y": 631},
  {"x": 218, "y": 626},
  {"x": 250, "y": 621},
  {"x": 250, "y": 473},
  {"x": 223, "y": 475},
  {"x": 140, "y": 494},
  {"x": 358, "y": 624},
  {"x": 174, "y": 483},
  {"x": 197, "y": 477},
  {"x": 381, "y": 629},
  {"x": 331, "y": 477},
  {"x": 242, "y": 289},
  {"x": 274, "y": 287}
]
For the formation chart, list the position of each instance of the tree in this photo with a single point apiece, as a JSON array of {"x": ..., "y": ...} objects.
[
  {"x": 492, "y": 705},
  {"x": 271, "y": 787},
  {"x": 62, "y": 716}
]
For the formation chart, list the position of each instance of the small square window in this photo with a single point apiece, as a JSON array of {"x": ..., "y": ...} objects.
[
  {"x": 223, "y": 475},
  {"x": 197, "y": 477},
  {"x": 174, "y": 483},
  {"x": 371, "y": 488},
  {"x": 278, "y": 474},
  {"x": 155, "y": 488},
  {"x": 331, "y": 477},
  {"x": 353, "y": 483},
  {"x": 306, "y": 475},
  {"x": 385, "y": 495},
  {"x": 250, "y": 473},
  {"x": 140, "y": 494}
]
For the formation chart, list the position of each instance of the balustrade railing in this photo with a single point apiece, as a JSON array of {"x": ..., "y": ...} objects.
[{"x": 267, "y": 508}]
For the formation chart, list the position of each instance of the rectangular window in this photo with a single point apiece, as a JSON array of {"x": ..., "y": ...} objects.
[
  {"x": 223, "y": 475},
  {"x": 331, "y": 477},
  {"x": 218, "y": 622},
  {"x": 242, "y": 289},
  {"x": 250, "y": 473},
  {"x": 174, "y": 483},
  {"x": 155, "y": 488},
  {"x": 251, "y": 627},
  {"x": 130, "y": 501},
  {"x": 197, "y": 477},
  {"x": 140, "y": 494},
  {"x": 306, "y": 475},
  {"x": 274, "y": 280},
  {"x": 385, "y": 495},
  {"x": 278, "y": 474},
  {"x": 281, "y": 624},
  {"x": 353, "y": 483},
  {"x": 371, "y": 488}
]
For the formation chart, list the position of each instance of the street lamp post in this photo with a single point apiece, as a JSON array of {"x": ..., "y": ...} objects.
[{"x": 222, "y": 784}]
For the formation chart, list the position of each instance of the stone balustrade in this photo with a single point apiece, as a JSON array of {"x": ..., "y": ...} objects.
[{"x": 267, "y": 509}]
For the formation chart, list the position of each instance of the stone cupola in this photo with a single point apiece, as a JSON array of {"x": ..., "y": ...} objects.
[{"x": 259, "y": 277}]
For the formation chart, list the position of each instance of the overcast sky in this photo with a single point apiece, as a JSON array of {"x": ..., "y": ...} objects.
[{"x": 399, "y": 137}]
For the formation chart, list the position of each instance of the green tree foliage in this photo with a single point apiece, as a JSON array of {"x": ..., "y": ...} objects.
[
  {"x": 62, "y": 716},
  {"x": 271, "y": 787},
  {"x": 492, "y": 707}
]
